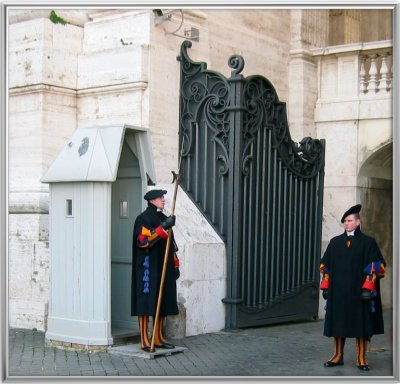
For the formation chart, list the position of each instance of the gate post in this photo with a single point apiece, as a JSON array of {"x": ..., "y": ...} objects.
[{"x": 233, "y": 243}]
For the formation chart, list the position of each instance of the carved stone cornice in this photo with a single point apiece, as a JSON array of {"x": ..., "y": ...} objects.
[{"x": 41, "y": 88}]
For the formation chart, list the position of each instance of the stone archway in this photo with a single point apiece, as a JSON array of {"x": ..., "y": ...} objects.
[{"x": 376, "y": 195}]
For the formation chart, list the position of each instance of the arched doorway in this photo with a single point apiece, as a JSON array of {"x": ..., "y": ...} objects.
[{"x": 376, "y": 195}]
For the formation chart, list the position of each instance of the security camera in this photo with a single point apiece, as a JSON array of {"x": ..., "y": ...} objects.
[
  {"x": 158, "y": 12},
  {"x": 161, "y": 15}
]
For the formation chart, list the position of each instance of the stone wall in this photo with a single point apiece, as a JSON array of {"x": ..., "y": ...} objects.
[
  {"x": 309, "y": 29},
  {"x": 42, "y": 115},
  {"x": 348, "y": 26},
  {"x": 202, "y": 257},
  {"x": 113, "y": 69}
]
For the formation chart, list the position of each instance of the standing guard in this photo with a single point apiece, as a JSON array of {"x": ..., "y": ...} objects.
[
  {"x": 150, "y": 236},
  {"x": 351, "y": 269}
]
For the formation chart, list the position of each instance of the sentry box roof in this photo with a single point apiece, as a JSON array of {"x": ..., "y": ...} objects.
[{"x": 93, "y": 154}]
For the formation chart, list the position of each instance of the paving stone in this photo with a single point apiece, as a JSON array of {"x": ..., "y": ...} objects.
[
  {"x": 111, "y": 373},
  {"x": 99, "y": 373},
  {"x": 74, "y": 371},
  {"x": 87, "y": 373},
  {"x": 252, "y": 352}
]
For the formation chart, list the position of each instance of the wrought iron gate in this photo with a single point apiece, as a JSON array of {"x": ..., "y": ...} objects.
[{"x": 260, "y": 191}]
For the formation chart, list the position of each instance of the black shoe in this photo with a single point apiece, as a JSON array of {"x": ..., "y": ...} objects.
[
  {"x": 165, "y": 346},
  {"x": 329, "y": 363},
  {"x": 363, "y": 367},
  {"x": 146, "y": 348}
]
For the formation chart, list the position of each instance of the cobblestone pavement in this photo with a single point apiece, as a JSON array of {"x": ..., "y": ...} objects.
[{"x": 289, "y": 350}]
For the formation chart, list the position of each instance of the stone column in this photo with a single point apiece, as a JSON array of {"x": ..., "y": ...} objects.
[
  {"x": 309, "y": 29},
  {"x": 344, "y": 26}
]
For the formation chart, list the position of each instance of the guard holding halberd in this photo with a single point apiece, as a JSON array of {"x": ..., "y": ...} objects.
[{"x": 150, "y": 234}]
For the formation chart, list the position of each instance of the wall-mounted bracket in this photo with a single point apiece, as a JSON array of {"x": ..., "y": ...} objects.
[{"x": 161, "y": 16}]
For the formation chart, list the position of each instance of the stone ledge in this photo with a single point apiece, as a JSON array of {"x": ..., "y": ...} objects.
[
  {"x": 330, "y": 110},
  {"x": 76, "y": 346},
  {"x": 41, "y": 87},
  {"x": 115, "y": 88}
]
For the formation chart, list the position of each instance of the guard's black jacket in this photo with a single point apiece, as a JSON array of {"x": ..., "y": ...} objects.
[
  {"x": 347, "y": 261},
  {"x": 148, "y": 250}
]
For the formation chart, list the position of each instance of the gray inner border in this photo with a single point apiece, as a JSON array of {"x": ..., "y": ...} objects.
[{"x": 186, "y": 4}]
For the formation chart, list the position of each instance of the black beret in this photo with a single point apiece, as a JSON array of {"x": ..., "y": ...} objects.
[
  {"x": 354, "y": 209},
  {"x": 154, "y": 193}
]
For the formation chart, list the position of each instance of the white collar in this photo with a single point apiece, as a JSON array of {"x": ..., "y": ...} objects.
[{"x": 350, "y": 233}]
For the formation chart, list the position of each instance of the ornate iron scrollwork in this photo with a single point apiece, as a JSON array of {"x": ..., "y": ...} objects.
[
  {"x": 263, "y": 109},
  {"x": 236, "y": 62},
  {"x": 204, "y": 102}
]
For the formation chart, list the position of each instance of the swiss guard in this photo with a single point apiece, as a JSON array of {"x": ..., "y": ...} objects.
[
  {"x": 150, "y": 236},
  {"x": 351, "y": 269}
]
